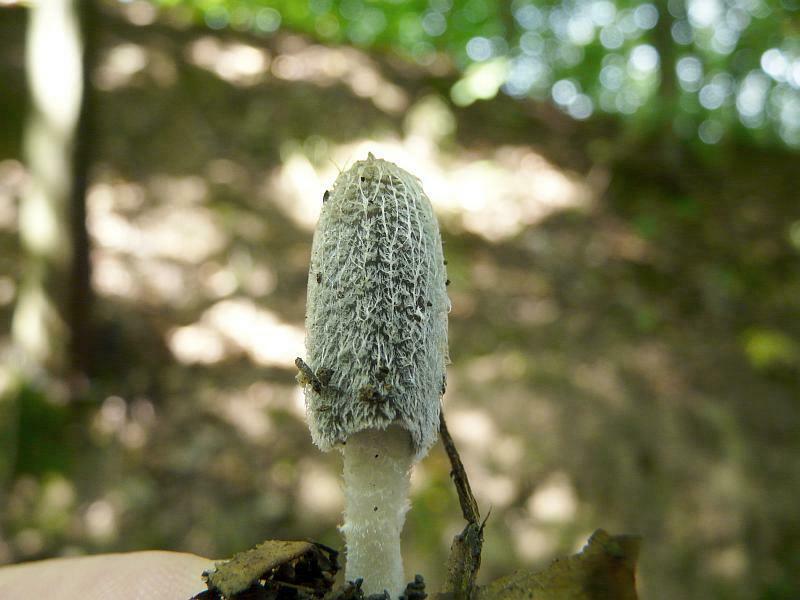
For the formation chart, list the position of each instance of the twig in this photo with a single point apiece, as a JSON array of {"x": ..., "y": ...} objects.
[
  {"x": 469, "y": 507},
  {"x": 465, "y": 552}
]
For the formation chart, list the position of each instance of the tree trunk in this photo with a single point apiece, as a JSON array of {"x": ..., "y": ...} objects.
[{"x": 49, "y": 324}]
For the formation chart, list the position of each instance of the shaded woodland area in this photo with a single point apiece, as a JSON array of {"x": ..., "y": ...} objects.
[{"x": 624, "y": 332}]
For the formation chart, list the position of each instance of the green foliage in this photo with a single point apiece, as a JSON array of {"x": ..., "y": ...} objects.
[
  {"x": 709, "y": 69},
  {"x": 41, "y": 444},
  {"x": 768, "y": 348}
]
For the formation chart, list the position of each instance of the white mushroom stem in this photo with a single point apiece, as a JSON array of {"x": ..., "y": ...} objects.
[{"x": 377, "y": 471}]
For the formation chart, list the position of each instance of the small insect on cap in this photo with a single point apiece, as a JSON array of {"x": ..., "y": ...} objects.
[{"x": 376, "y": 320}]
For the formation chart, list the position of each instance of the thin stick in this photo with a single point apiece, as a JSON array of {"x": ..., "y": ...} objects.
[
  {"x": 469, "y": 507},
  {"x": 465, "y": 552}
]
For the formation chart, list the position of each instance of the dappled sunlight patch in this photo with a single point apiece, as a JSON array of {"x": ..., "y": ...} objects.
[
  {"x": 554, "y": 500},
  {"x": 500, "y": 197},
  {"x": 496, "y": 197},
  {"x": 148, "y": 251},
  {"x": 493, "y": 367},
  {"x": 162, "y": 281},
  {"x": 326, "y": 66},
  {"x": 487, "y": 432},
  {"x": 197, "y": 344},
  {"x": 265, "y": 338},
  {"x": 233, "y": 326},
  {"x": 480, "y": 445},
  {"x": 297, "y": 189},
  {"x": 236, "y": 62},
  {"x": 13, "y": 176},
  {"x": 179, "y": 229},
  {"x": 119, "y": 66},
  {"x": 178, "y": 189},
  {"x": 420, "y": 478},
  {"x": 111, "y": 277},
  {"x": 508, "y": 452},
  {"x": 260, "y": 280},
  {"x": 57, "y": 500},
  {"x": 473, "y": 428},
  {"x": 139, "y": 12},
  {"x": 532, "y": 542},
  {"x": 109, "y": 196},
  {"x": 8, "y": 290},
  {"x": 278, "y": 397},
  {"x": 45, "y": 506},
  {"x": 126, "y": 422},
  {"x": 134, "y": 436},
  {"x": 227, "y": 172},
  {"x": 536, "y": 311},
  {"x": 218, "y": 280},
  {"x": 492, "y": 489},
  {"x": 299, "y": 402},
  {"x": 28, "y": 328},
  {"x": 240, "y": 272},
  {"x": 29, "y": 541},
  {"x": 101, "y": 521},
  {"x": 112, "y": 415},
  {"x": 319, "y": 491},
  {"x": 430, "y": 120},
  {"x": 247, "y": 413},
  {"x": 481, "y": 81}
]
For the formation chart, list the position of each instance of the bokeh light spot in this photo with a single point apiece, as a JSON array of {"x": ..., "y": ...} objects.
[
  {"x": 710, "y": 131},
  {"x": 645, "y": 16},
  {"x": 268, "y": 20},
  {"x": 479, "y": 49}
]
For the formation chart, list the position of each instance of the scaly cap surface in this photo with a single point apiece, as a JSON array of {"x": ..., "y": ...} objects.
[{"x": 376, "y": 317}]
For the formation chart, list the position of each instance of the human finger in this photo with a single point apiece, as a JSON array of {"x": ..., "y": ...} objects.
[{"x": 151, "y": 575}]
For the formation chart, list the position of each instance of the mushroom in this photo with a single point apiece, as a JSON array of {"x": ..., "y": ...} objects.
[{"x": 376, "y": 338}]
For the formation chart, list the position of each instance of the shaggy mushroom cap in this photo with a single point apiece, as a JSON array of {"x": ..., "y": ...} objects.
[{"x": 376, "y": 318}]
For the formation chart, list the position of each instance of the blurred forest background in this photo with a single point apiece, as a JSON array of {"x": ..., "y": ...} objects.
[{"x": 617, "y": 182}]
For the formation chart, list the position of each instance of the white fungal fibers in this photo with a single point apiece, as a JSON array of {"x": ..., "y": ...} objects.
[
  {"x": 377, "y": 467},
  {"x": 376, "y": 321}
]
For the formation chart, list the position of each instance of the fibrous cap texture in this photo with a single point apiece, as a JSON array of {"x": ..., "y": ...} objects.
[{"x": 376, "y": 320}]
